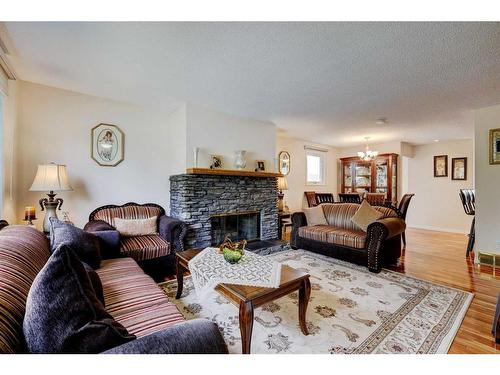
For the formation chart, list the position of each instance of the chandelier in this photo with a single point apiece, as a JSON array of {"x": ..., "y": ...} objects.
[{"x": 367, "y": 155}]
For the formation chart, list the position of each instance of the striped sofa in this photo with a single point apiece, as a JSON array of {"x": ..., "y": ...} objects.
[
  {"x": 155, "y": 253},
  {"x": 341, "y": 238},
  {"x": 131, "y": 297}
]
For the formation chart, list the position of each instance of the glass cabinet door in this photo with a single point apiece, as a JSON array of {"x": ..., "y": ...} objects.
[
  {"x": 347, "y": 178},
  {"x": 363, "y": 174}
]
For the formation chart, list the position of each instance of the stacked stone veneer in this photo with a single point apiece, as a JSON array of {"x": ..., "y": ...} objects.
[{"x": 194, "y": 198}]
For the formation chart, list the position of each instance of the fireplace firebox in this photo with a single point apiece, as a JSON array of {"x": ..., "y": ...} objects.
[{"x": 238, "y": 226}]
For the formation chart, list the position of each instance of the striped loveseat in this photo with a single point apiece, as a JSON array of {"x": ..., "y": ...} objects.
[
  {"x": 341, "y": 238},
  {"x": 131, "y": 297},
  {"x": 154, "y": 253}
]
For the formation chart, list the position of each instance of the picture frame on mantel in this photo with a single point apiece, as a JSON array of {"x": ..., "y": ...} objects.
[
  {"x": 494, "y": 146},
  {"x": 441, "y": 166},
  {"x": 459, "y": 169}
]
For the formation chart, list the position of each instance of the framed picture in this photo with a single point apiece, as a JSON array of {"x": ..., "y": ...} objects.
[
  {"x": 260, "y": 165},
  {"x": 216, "y": 162},
  {"x": 494, "y": 146},
  {"x": 459, "y": 168},
  {"x": 284, "y": 162},
  {"x": 107, "y": 142},
  {"x": 441, "y": 166}
]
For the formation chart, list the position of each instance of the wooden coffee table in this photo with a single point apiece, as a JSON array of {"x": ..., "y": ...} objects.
[{"x": 247, "y": 298}]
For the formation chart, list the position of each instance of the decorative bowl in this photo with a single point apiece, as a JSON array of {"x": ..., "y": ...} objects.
[{"x": 232, "y": 256}]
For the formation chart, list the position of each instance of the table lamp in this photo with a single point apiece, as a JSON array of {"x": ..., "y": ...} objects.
[
  {"x": 50, "y": 177},
  {"x": 282, "y": 185}
]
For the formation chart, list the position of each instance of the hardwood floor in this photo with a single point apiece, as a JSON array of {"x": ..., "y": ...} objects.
[{"x": 440, "y": 258}]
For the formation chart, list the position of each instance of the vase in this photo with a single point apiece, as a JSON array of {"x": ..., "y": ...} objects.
[
  {"x": 240, "y": 161},
  {"x": 195, "y": 156}
]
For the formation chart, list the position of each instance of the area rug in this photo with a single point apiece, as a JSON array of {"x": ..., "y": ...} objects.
[{"x": 351, "y": 311}]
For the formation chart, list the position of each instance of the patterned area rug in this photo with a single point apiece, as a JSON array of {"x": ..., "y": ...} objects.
[{"x": 351, "y": 311}]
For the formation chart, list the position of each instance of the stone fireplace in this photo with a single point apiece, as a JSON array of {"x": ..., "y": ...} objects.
[{"x": 214, "y": 205}]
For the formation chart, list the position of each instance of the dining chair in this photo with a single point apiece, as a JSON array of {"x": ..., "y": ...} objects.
[
  {"x": 349, "y": 198},
  {"x": 403, "y": 209},
  {"x": 468, "y": 198}
]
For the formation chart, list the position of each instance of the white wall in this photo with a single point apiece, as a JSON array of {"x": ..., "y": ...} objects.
[
  {"x": 223, "y": 134},
  {"x": 487, "y": 182},
  {"x": 436, "y": 204},
  {"x": 294, "y": 197},
  {"x": 54, "y": 125}
]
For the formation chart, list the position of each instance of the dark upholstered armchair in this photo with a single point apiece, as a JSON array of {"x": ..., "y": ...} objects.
[{"x": 146, "y": 250}]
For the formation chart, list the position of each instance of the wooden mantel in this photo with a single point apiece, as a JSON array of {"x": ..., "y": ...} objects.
[{"x": 231, "y": 172}]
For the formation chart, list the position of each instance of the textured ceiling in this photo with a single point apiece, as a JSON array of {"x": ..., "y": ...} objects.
[{"x": 325, "y": 82}]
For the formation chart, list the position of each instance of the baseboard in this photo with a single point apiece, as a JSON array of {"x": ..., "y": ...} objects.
[{"x": 438, "y": 229}]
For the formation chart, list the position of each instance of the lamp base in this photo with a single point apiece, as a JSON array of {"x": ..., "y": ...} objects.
[
  {"x": 50, "y": 206},
  {"x": 50, "y": 211},
  {"x": 280, "y": 201}
]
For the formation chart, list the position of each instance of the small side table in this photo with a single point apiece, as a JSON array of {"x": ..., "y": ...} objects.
[{"x": 283, "y": 215}]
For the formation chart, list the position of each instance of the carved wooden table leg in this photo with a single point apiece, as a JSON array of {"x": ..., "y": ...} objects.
[
  {"x": 179, "y": 268},
  {"x": 304, "y": 294},
  {"x": 246, "y": 326}
]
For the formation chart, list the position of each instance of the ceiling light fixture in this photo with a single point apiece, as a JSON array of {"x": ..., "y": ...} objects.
[
  {"x": 381, "y": 121},
  {"x": 436, "y": 140},
  {"x": 367, "y": 155}
]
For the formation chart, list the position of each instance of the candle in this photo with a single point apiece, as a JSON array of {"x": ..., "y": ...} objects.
[{"x": 29, "y": 213}]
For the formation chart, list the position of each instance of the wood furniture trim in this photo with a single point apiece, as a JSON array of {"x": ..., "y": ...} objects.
[
  {"x": 248, "y": 298},
  {"x": 392, "y": 160},
  {"x": 231, "y": 172}
]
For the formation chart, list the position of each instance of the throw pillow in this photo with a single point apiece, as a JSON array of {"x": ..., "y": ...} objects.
[
  {"x": 63, "y": 314},
  {"x": 136, "y": 227},
  {"x": 315, "y": 216},
  {"x": 95, "y": 280},
  {"x": 365, "y": 215},
  {"x": 85, "y": 244}
]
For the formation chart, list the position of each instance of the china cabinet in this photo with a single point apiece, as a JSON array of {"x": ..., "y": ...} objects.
[{"x": 377, "y": 176}]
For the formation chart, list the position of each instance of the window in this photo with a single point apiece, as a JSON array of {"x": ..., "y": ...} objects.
[{"x": 315, "y": 167}]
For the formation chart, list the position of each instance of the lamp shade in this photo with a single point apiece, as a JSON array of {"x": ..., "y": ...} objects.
[
  {"x": 51, "y": 177},
  {"x": 282, "y": 183}
]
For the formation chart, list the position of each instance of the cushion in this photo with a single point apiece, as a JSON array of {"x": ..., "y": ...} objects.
[
  {"x": 144, "y": 247},
  {"x": 96, "y": 282},
  {"x": 315, "y": 216},
  {"x": 109, "y": 214},
  {"x": 136, "y": 227},
  {"x": 23, "y": 253},
  {"x": 365, "y": 215},
  {"x": 63, "y": 314},
  {"x": 85, "y": 244},
  {"x": 337, "y": 236}
]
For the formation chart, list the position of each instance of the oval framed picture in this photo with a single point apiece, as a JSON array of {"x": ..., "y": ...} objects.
[
  {"x": 107, "y": 142},
  {"x": 284, "y": 162}
]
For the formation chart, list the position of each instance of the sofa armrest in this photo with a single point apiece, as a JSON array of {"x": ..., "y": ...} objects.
[
  {"x": 173, "y": 230},
  {"x": 377, "y": 233},
  {"x": 298, "y": 220},
  {"x": 97, "y": 225},
  {"x": 197, "y": 336}
]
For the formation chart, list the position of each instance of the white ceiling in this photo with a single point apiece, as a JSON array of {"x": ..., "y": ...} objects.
[{"x": 325, "y": 82}]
